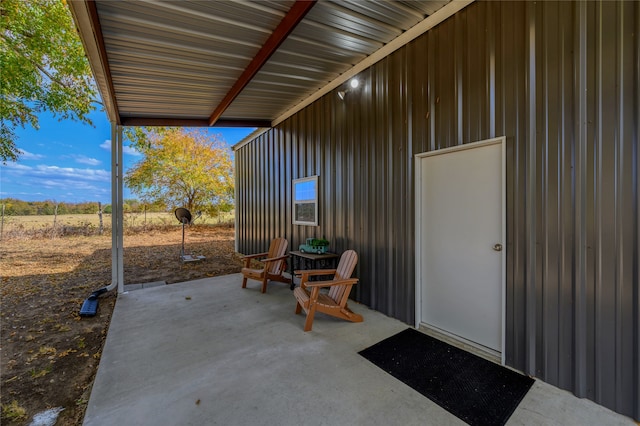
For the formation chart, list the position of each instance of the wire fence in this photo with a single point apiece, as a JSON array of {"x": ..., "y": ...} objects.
[{"x": 56, "y": 226}]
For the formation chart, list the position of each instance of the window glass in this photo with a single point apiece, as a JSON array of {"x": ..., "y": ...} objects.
[{"x": 305, "y": 201}]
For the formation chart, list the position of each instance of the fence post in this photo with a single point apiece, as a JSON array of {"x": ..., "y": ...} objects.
[
  {"x": 2, "y": 223},
  {"x": 100, "y": 229},
  {"x": 55, "y": 218}
]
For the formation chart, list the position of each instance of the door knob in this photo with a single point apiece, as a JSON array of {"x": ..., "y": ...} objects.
[{"x": 497, "y": 247}]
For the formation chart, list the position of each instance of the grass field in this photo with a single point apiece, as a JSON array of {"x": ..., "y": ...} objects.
[
  {"x": 35, "y": 222},
  {"x": 50, "y": 354}
]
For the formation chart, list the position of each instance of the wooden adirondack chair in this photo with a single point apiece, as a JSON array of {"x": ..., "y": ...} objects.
[
  {"x": 309, "y": 297},
  {"x": 273, "y": 265}
]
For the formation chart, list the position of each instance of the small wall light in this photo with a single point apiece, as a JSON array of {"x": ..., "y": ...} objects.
[{"x": 353, "y": 84}]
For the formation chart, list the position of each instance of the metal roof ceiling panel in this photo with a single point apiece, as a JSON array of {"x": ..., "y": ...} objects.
[{"x": 184, "y": 59}]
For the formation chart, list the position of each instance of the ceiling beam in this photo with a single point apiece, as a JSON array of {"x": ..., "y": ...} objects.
[
  {"x": 193, "y": 122},
  {"x": 280, "y": 34}
]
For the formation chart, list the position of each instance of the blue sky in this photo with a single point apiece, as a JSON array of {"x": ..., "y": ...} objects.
[{"x": 67, "y": 161}]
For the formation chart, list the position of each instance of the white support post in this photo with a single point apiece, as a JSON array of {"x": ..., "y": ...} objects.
[{"x": 117, "y": 216}]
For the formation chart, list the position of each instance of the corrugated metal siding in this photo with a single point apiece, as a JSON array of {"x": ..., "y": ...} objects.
[{"x": 562, "y": 81}]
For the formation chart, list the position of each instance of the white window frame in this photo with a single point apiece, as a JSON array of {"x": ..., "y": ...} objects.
[{"x": 296, "y": 188}]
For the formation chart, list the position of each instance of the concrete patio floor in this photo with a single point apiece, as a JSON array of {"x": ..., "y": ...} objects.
[{"x": 208, "y": 352}]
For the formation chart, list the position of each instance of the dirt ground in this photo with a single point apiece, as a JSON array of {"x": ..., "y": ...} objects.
[{"x": 49, "y": 354}]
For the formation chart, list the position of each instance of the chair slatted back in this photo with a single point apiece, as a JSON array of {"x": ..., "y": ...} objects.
[
  {"x": 277, "y": 248},
  {"x": 345, "y": 268}
]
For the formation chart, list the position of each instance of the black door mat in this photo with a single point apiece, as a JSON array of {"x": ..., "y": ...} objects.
[{"x": 473, "y": 389}]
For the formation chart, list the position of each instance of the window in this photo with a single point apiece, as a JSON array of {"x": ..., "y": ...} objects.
[{"x": 305, "y": 201}]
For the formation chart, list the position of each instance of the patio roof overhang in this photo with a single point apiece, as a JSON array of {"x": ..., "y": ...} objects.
[{"x": 232, "y": 63}]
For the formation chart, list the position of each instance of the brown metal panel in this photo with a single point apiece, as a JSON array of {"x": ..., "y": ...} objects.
[
  {"x": 532, "y": 192},
  {"x": 561, "y": 81},
  {"x": 510, "y": 91},
  {"x": 566, "y": 195},
  {"x": 628, "y": 211},
  {"x": 605, "y": 227},
  {"x": 553, "y": 224}
]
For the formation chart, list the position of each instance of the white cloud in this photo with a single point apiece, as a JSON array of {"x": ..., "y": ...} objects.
[
  {"x": 18, "y": 178},
  {"x": 26, "y": 155},
  {"x": 125, "y": 149},
  {"x": 131, "y": 151},
  {"x": 43, "y": 171},
  {"x": 52, "y": 181},
  {"x": 83, "y": 159},
  {"x": 16, "y": 166}
]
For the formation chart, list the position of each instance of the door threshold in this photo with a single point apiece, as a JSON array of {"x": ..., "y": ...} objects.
[{"x": 462, "y": 343}]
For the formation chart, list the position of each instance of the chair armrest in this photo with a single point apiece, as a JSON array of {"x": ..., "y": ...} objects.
[
  {"x": 252, "y": 256},
  {"x": 348, "y": 281},
  {"x": 305, "y": 274},
  {"x": 312, "y": 272},
  {"x": 247, "y": 258}
]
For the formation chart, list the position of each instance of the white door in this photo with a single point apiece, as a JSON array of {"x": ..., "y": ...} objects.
[{"x": 460, "y": 208}]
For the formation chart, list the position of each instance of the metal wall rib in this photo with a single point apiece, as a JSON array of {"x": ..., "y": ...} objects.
[{"x": 561, "y": 80}]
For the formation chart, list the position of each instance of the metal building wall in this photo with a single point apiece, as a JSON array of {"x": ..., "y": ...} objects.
[{"x": 562, "y": 81}]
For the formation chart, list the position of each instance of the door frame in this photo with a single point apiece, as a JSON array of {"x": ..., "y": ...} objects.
[{"x": 419, "y": 228}]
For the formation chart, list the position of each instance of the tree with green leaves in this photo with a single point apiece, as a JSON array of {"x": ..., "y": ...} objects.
[
  {"x": 182, "y": 168},
  {"x": 44, "y": 68}
]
